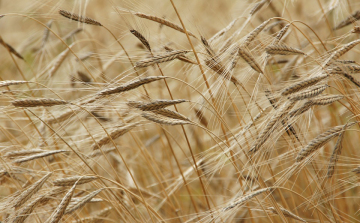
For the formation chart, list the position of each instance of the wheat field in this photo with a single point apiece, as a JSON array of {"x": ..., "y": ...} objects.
[{"x": 179, "y": 111}]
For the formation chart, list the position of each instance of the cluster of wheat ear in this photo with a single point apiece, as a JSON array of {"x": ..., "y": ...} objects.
[{"x": 217, "y": 111}]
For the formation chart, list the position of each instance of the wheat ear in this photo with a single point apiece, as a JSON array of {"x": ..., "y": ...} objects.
[
  {"x": 26, "y": 194},
  {"x": 286, "y": 213},
  {"x": 38, "y": 155},
  {"x": 249, "y": 59},
  {"x": 69, "y": 181},
  {"x": 321, "y": 140},
  {"x": 338, "y": 53},
  {"x": 309, "y": 93},
  {"x": 349, "y": 20},
  {"x": 335, "y": 154},
  {"x": 130, "y": 85},
  {"x": 245, "y": 198},
  {"x": 164, "y": 120},
  {"x": 163, "y": 22},
  {"x": 253, "y": 34},
  {"x": 142, "y": 39},
  {"x": 158, "y": 104},
  {"x": 45, "y": 102},
  {"x": 162, "y": 58},
  {"x": 80, "y": 203},
  {"x": 303, "y": 84},
  {"x": 10, "y": 49},
  {"x": 281, "y": 49},
  {"x": 79, "y": 18}
]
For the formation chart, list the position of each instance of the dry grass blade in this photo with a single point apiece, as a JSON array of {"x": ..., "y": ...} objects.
[
  {"x": 24, "y": 152},
  {"x": 249, "y": 59},
  {"x": 303, "y": 84},
  {"x": 286, "y": 213},
  {"x": 349, "y": 20},
  {"x": 130, "y": 85},
  {"x": 10, "y": 48},
  {"x": 60, "y": 210},
  {"x": 142, "y": 39},
  {"x": 338, "y": 53},
  {"x": 309, "y": 93},
  {"x": 26, "y": 194},
  {"x": 334, "y": 155},
  {"x": 164, "y": 120},
  {"x": 253, "y": 34},
  {"x": 170, "y": 114},
  {"x": 321, "y": 140},
  {"x": 161, "y": 58},
  {"x": 69, "y": 181},
  {"x": 163, "y": 22},
  {"x": 115, "y": 134},
  {"x": 157, "y": 104},
  {"x": 38, "y": 155},
  {"x": 45, "y": 102},
  {"x": 245, "y": 198},
  {"x": 325, "y": 100},
  {"x": 81, "y": 202},
  {"x": 26, "y": 211},
  {"x": 11, "y": 82},
  {"x": 281, "y": 49},
  {"x": 79, "y": 18}
]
